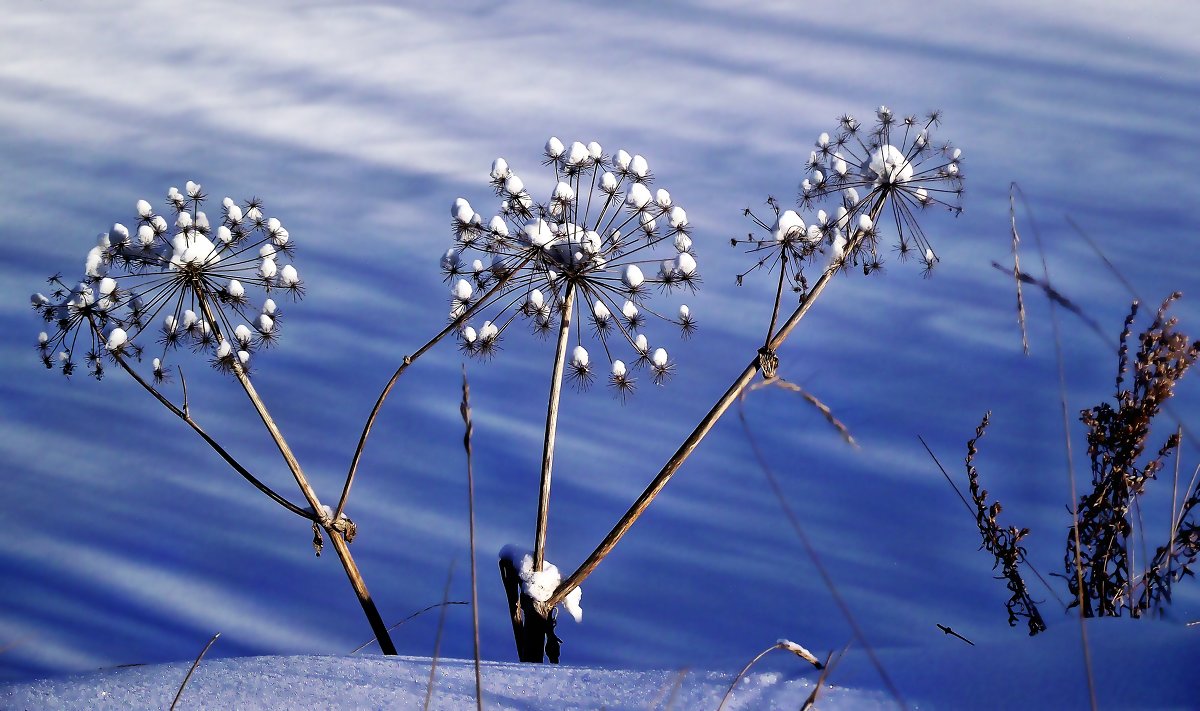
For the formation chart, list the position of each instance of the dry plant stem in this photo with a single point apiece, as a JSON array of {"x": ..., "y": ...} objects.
[
  {"x": 188, "y": 676},
  {"x": 187, "y": 419},
  {"x": 466, "y": 415},
  {"x": 560, "y": 357},
  {"x": 742, "y": 673},
  {"x": 1016, "y": 243},
  {"x": 409, "y": 360},
  {"x": 335, "y": 536},
  {"x": 1062, "y": 390},
  {"x": 705, "y": 426},
  {"x": 418, "y": 613},
  {"x": 437, "y": 640}
]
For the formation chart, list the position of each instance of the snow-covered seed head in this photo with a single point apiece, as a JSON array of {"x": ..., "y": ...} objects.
[
  {"x": 179, "y": 278},
  {"x": 593, "y": 237}
]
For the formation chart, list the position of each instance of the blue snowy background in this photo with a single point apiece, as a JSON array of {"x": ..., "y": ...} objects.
[{"x": 128, "y": 540}]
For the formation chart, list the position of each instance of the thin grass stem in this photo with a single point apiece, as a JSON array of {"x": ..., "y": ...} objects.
[
  {"x": 188, "y": 676},
  {"x": 468, "y": 429}
]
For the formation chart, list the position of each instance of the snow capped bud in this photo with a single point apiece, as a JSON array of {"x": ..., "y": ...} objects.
[
  {"x": 169, "y": 323},
  {"x": 190, "y": 318},
  {"x": 461, "y": 211},
  {"x": 600, "y": 312},
  {"x": 273, "y": 225},
  {"x": 622, "y": 159},
  {"x": 822, "y": 218},
  {"x": 488, "y": 331},
  {"x": 818, "y": 176},
  {"x": 630, "y": 311},
  {"x": 952, "y": 169},
  {"x": 618, "y": 369},
  {"x": 554, "y": 147},
  {"x": 499, "y": 169},
  {"x": 265, "y": 324},
  {"x": 267, "y": 251},
  {"x": 662, "y": 198},
  {"x": 683, "y": 243},
  {"x": 193, "y": 189},
  {"x": 813, "y": 234},
  {"x": 890, "y": 166},
  {"x": 922, "y": 196},
  {"x": 223, "y": 234},
  {"x": 116, "y": 338},
  {"x": 843, "y": 217},
  {"x": 535, "y": 299},
  {"x": 930, "y": 257},
  {"x": 269, "y": 307},
  {"x": 144, "y": 210},
  {"x": 244, "y": 357},
  {"x": 267, "y": 269},
  {"x": 823, "y": 140},
  {"x": 145, "y": 236},
  {"x": 956, "y": 154},
  {"x": 538, "y": 233},
  {"x": 513, "y": 185},
  {"x": 788, "y": 226},
  {"x": 632, "y": 276},
  {"x": 120, "y": 233},
  {"x": 184, "y": 220},
  {"x": 451, "y": 259},
  {"x": 107, "y": 286},
  {"x": 840, "y": 167},
  {"x": 864, "y": 223},
  {"x": 609, "y": 183},
  {"x": 242, "y": 334},
  {"x": 498, "y": 226},
  {"x": 640, "y": 344},
  {"x": 564, "y": 192},
  {"x": 659, "y": 359},
  {"x": 578, "y": 154},
  {"x": 469, "y": 335},
  {"x": 201, "y": 221},
  {"x": 639, "y": 167},
  {"x": 159, "y": 223},
  {"x": 224, "y": 350},
  {"x": 685, "y": 264},
  {"x": 595, "y": 151},
  {"x": 462, "y": 290},
  {"x": 838, "y": 249},
  {"x": 94, "y": 265},
  {"x": 288, "y": 276},
  {"x": 677, "y": 218},
  {"x": 579, "y": 357},
  {"x": 638, "y": 197},
  {"x": 39, "y": 299},
  {"x": 684, "y": 312},
  {"x": 666, "y": 268},
  {"x": 233, "y": 212}
]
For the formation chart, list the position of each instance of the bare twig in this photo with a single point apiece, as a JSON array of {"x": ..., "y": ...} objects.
[
  {"x": 560, "y": 357},
  {"x": 188, "y": 676},
  {"x": 781, "y": 644},
  {"x": 830, "y": 662},
  {"x": 407, "y": 361},
  {"x": 811, "y": 551},
  {"x": 709, "y": 420},
  {"x": 437, "y": 640},
  {"x": 1016, "y": 244},
  {"x": 948, "y": 630},
  {"x": 465, "y": 409},
  {"x": 811, "y": 400},
  {"x": 1070, "y": 462},
  {"x": 418, "y": 613}
]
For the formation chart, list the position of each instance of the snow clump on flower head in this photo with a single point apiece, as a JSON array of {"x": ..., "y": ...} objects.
[
  {"x": 595, "y": 251},
  {"x": 175, "y": 279}
]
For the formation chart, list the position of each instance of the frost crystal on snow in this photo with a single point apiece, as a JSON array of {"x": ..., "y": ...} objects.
[{"x": 595, "y": 237}]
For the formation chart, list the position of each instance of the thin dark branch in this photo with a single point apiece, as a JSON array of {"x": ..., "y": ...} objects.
[{"x": 186, "y": 678}]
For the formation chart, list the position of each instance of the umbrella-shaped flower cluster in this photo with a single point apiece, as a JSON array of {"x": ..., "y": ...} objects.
[
  {"x": 595, "y": 251},
  {"x": 172, "y": 281},
  {"x": 863, "y": 176}
]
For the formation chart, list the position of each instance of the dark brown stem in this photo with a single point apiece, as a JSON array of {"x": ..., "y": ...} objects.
[{"x": 707, "y": 422}]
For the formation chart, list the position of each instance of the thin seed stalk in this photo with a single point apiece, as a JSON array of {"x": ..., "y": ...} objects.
[
  {"x": 706, "y": 423},
  {"x": 335, "y": 536},
  {"x": 560, "y": 356}
]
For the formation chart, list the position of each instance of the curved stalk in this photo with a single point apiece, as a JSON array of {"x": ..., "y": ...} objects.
[
  {"x": 409, "y": 360},
  {"x": 187, "y": 418},
  {"x": 560, "y": 357},
  {"x": 707, "y": 422}
]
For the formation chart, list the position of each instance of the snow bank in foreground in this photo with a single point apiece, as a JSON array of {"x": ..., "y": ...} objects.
[{"x": 400, "y": 683}]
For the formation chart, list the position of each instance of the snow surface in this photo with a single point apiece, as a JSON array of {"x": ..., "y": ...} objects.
[{"x": 1009, "y": 673}]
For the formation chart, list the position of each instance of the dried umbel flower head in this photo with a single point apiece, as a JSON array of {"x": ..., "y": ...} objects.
[
  {"x": 174, "y": 280},
  {"x": 857, "y": 178},
  {"x": 594, "y": 251}
]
